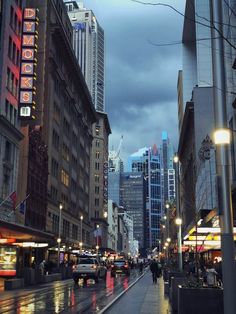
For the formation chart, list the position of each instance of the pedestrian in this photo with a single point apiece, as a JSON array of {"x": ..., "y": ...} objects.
[
  {"x": 42, "y": 267},
  {"x": 141, "y": 267},
  {"x": 154, "y": 269},
  {"x": 211, "y": 274}
]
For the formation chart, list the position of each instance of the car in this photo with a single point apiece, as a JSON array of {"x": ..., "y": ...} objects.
[
  {"x": 120, "y": 266},
  {"x": 88, "y": 268}
]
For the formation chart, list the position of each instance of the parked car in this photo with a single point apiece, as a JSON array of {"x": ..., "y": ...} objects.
[
  {"x": 120, "y": 266},
  {"x": 88, "y": 268}
]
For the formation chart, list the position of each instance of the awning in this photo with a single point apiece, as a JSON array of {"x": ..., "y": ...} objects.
[{"x": 24, "y": 234}]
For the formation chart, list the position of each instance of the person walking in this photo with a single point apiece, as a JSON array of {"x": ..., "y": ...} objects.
[
  {"x": 211, "y": 275},
  {"x": 154, "y": 269}
]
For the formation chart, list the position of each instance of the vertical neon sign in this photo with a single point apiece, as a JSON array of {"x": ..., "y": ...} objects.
[{"x": 28, "y": 64}]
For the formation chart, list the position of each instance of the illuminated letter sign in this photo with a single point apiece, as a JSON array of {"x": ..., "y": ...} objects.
[
  {"x": 28, "y": 63},
  {"x": 27, "y": 54},
  {"x": 27, "y": 68},
  {"x": 29, "y": 14},
  {"x": 28, "y": 41},
  {"x": 26, "y": 82}
]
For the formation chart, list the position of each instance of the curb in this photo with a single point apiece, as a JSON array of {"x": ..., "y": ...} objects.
[{"x": 120, "y": 295}]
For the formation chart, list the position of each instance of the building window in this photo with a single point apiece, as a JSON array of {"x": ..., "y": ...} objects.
[
  {"x": 74, "y": 232},
  {"x": 96, "y": 202},
  {"x": 96, "y": 189},
  {"x": 96, "y": 165},
  {"x": 73, "y": 185},
  {"x": 66, "y": 228},
  {"x": 56, "y": 113},
  {"x": 96, "y": 178},
  {"x": 66, "y": 127},
  {"x": 97, "y": 154},
  {"x": 97, "y": 130},
  {"x": 55, "y": 224},
  {"x": 64, "y": 177},
  {"x": 97, "y": 143},
  {"x": 96, "y": 213},
  {"x": 65, "y": 152},
  {"x": 54, "y": 168},
  {"x": 55, "y": 139},
  {"x": 9, "y": 47},
  {"x": 54, "y": 193}
]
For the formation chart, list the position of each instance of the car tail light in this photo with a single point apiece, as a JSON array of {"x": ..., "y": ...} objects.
[
  {"x": 74, "y": 267},
  {"x": 112, "y": 266},
  {"x": 94, "y": 267},
  {"x": 126, "y": 266}
]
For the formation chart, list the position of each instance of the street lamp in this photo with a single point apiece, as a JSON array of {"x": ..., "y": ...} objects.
[
  {"x": 97, "y": 226},
  {"x": 178, "y": 220},
  {"x": 81, "y": 230},
  {"x": 59, "y": 236},
  {"x": 168, "y": 239},
  {"x": 97, "y": 248}
]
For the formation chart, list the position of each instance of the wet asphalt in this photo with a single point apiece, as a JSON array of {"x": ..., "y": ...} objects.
[{"x": 65, "y": 296}]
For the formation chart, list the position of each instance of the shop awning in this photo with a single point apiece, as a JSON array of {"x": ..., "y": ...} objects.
[{"x": 22, "y": 233}]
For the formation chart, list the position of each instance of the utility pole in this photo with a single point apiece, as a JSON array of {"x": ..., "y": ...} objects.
[{"x": 222, "y": 160}]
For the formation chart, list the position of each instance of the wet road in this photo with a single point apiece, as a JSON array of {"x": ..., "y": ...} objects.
[{"x": 65, "y": 296}]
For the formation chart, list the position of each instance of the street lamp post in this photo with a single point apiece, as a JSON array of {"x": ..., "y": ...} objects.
[
  {"x": 59, "y": 236},
  {"x": 168, "y": 229},
  {"x": 81, "y": 231},
  {"x": 180, "y": 260},
  {"x": 97, "y": 235},
  {"x": 222, "y": 161}
]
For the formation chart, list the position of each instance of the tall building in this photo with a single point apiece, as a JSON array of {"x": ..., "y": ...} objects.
[
  {"x": 133, "y": 200},
  {"x": 168, "y": 172},
  {"x": 10, "y": 135},
  {"x": 196, "y": 149},
  {"x": 99, "y": 177},
  {"x": 148, "y": 162},
  {"x": 62, "y": 111},
  {"x": 88, "y": 44}
]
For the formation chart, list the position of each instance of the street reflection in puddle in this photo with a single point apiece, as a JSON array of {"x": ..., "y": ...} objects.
[{"x": 67, "y": 297}]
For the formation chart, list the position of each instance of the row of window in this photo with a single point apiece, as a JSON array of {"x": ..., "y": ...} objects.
[
  {"x": 12, "y": 83},
  {"x": 13, "y": 52},
  {"x": 10, "y": 112},
  {"x": 15, "y": 23}
]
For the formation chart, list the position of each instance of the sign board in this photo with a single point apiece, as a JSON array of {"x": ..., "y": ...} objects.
[{"x": 28, "y": 64}]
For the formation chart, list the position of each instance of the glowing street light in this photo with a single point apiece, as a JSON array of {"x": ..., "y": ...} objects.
[{"x": 222, "y": 136}]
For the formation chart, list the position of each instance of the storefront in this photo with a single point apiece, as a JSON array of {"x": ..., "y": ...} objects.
[{"x": 22, "y": 248}]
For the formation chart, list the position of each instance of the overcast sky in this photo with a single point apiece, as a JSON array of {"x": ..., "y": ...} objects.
[{"x": 141, "y": 78}]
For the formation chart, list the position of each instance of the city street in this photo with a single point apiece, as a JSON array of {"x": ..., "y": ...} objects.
[{"x": 65, "y": 296}]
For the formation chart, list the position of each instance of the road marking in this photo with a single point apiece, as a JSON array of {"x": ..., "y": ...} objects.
[{"x": 120, "y": 295}]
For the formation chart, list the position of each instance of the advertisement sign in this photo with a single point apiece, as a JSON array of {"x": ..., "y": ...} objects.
[
  {"x": 7, "y": 261},
  {"x": 28, "y": 64}
]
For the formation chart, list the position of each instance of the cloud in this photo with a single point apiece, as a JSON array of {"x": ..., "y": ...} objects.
[{"x": 141, "y": 78}]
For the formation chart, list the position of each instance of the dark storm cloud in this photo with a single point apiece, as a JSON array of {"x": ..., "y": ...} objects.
[{"x": 141, "y": 78}]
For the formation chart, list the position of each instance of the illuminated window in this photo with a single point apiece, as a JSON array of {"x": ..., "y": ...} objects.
[
  {"x": 64, "y": 177},
  {"x": 97, "y": 154},
  {"x": 97, "y": 129}
]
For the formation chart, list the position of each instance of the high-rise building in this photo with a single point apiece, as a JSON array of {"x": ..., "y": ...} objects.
[
  {"x": 133, "y": 200},
  {"x": 88, "y": 44},
  {"x": 167, "y": 169},
  {"x": 10, "y": 135},
  {"x": 148, "y": 162},
  {"x": 64, "y": 115},
  {"x": 196, "y": 149},
  {"x": 99, "y": 177}
]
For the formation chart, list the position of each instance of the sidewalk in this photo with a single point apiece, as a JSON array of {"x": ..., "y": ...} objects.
[{"x": 144, "y": 298}]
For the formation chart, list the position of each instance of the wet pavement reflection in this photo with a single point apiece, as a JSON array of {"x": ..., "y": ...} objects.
[{"x": 66, "y": 297}]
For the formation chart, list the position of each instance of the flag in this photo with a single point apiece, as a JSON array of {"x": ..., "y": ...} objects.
[
  {"x": 12, "y": 196},
  {"x": 22, "y": 207}
]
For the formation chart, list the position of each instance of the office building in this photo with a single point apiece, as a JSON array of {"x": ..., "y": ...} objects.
[
  {"x": 133, "y": 200},
  {"x": 10, "y": 135},
  {"x": 63, "y": 113},
  {"x": 148, "y": 162},
  {"x": 88, "y": 44}
]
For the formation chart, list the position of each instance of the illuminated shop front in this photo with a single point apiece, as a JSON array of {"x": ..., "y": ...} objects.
[{"x": 21, "y": 248}]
